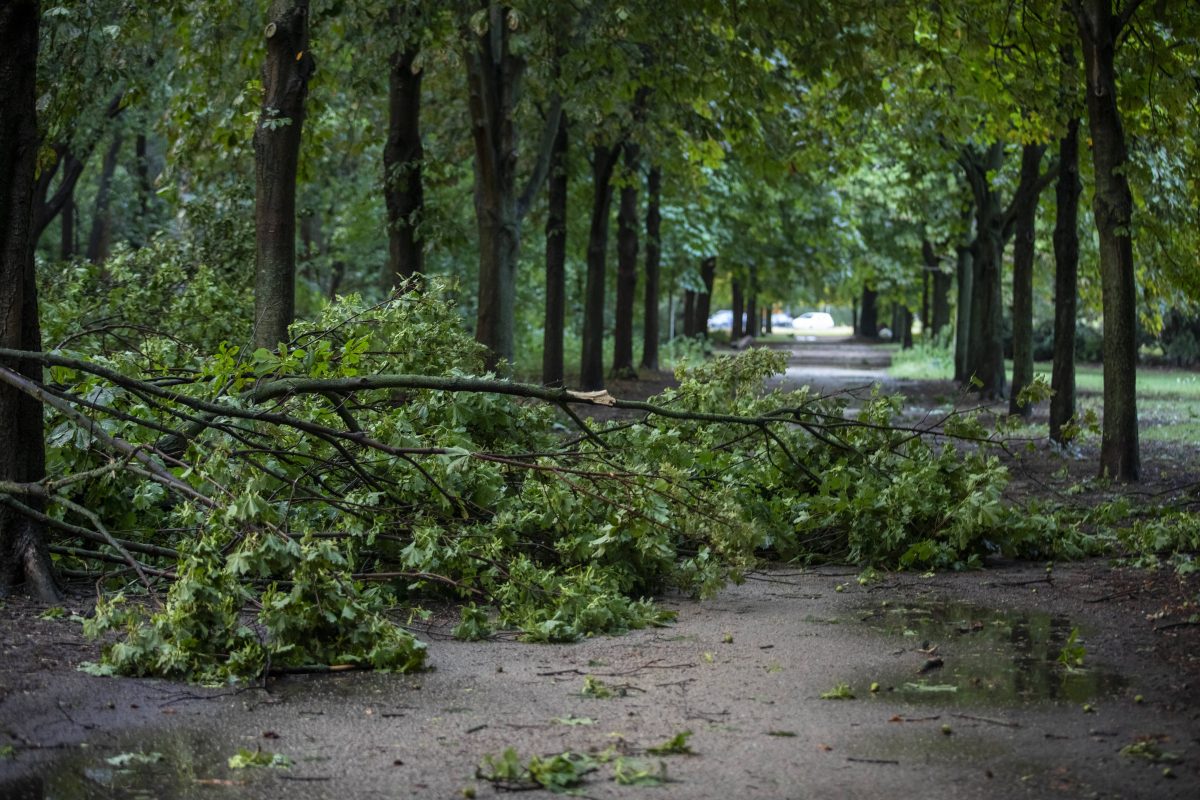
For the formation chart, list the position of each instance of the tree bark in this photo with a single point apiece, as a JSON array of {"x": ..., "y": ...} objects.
[
  {"x": 964, "y": 273},
  {"x": 627, "y": 252},
  {"x": 985, "y": 347},
  {"x": 1066, "y": 271},
  {"x": 689, "y": 313},
  {"x": 1112, "y": 207},
  {"x": 100, "y": 238},
  {"x": 286, "y": 72},
  {"x": 1025, "y": 231},
  {"x": 145, "y": 190},
  {"x": 591, "y": 363},
  {"x": 906, "y": 326},
  {"x": 24, "y": 560},
  {"x": 556, "y": 259},
  {"x": 650, "y": 328},
  {"x": 493, "y": 81},
  {"x": 66, "y": 240},
  {"x": 868, "y": 317},
  {"x": 708, "y": 273},
  {"x": 940, "y": 289},
  {"x": 403, "y": 154},
  {"x": 739, "y": 308}
]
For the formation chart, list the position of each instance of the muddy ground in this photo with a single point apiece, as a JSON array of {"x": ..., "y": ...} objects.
[{"x": 971, "y": 700}]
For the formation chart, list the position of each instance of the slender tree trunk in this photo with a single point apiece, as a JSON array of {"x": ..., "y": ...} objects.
[
  {"x": 403, "y": 154},
  {"x": 925, "y": 321},
  {"x": 940, "y": 301},
  {"x": 100, "y": 238},
  {"x": 708, "y": 273},
  {"x": 1112, "y": 206},
  {"x": 767, "y": 311},
  {"x": 739, "y": 308},
  {"x": 650, "y": 332},
  {"x": 906, "y": 326},
  {"x": 591, "y": 363},
  {"x": 556, "y": 260},
  {"x": 145, "y": 190},
  {"x": 1023, "y": 255},
  {"x": 854, "y": 326},
  {"x": 67, "y": 234},
  {"x": 627, "y": 252},
  {"x": 1066, "y": 270},
  {"x": 752, "y": 321},
  {"x": 868, "y": 317},
  {"x": 689, "y": 313},
  {"x": 286, "y": 72},
  {"x": 964, "y": 273},
  {"x": 24, "y": 560}
]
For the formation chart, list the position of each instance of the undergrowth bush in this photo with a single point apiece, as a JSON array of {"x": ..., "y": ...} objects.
[{"x": 311, "y": 519}]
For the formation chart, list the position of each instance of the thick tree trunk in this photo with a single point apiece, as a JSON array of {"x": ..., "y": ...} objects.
[
  {"x": 1066, "y": 270},
  {"x": 1023, "y": 254},
  {"x": 766, "y": 316},
  {"x": 591, "y": 362},
  {"x": 964, "y": 273},
  {"x": 493, "y": 76},
  {"x": 556, "y": 260},
  {"x": 739, "y": 309},
  {"x": 286, "y": 72},
  {"x": 708, "y": 273},
  {"x": 24, "y": 560},
  {"x": 627, "y": 252},
  {"x": 985, "y": 349},
  {"x": 650, "y": 332},
  {"x": 1112, "y": 206},
  {"x": 403, "y": 154},
  {"x": 868, "y": 317},
  {"x": 100, "y": 238}
]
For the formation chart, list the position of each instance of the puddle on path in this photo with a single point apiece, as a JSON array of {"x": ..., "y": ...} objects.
[
  {"x": 989, "y": 657},
  {"x": 161, "y": 764}
]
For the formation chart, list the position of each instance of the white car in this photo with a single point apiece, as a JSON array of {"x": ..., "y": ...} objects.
[
  {"x": 721, "y": 321},
  {"x": 782, "y": 320},
  {"x": 813, "y": 321}
]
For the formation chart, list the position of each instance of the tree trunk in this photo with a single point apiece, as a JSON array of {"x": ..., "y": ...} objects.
[
  {"x": 145, "y": 190},
  {"x": 689, "y": 313},
  {"x": 906, "y": 326},
  {"x": 868, "y": 317},
  {"x": 1066, "y": 270},
  {"x": 1022, "y": 291},
  {"x": 1112, "y": 206},
  {"x": 100, "y": 238},
  {"x": 591, "y": 363},
  {"x": 854, "y": 327},
  {"x": 925, "y": 326},
  {"x": 627, "y": 252},
  {"x": 708, "y": 273},
  {"x": 985, "y": 350},
  {"x": 66, "y": 239},
  {"x": 403, "y": 154},
  {"x": 650, "y": 332},
  {"x": 766, "y": 315},
  {"x": 556, "y": 260},
  {"x": 964, "y": 273},
  {"x": 288, "y": 67},
  {"x": 739, "y": 308},
  {"x": 24, "y": 560},
  {"x": 751, "y": 316},
  {"x": 940, "y": 312}
]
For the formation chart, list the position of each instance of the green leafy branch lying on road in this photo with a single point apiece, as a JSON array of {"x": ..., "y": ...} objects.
[{"x": 300, "y": 502}]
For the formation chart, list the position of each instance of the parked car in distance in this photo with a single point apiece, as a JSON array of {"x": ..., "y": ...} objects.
[
  {"x": 721, "y": 321},
  {"x": 813, "y": 321},
  {"x": 781, "y": 320}
]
